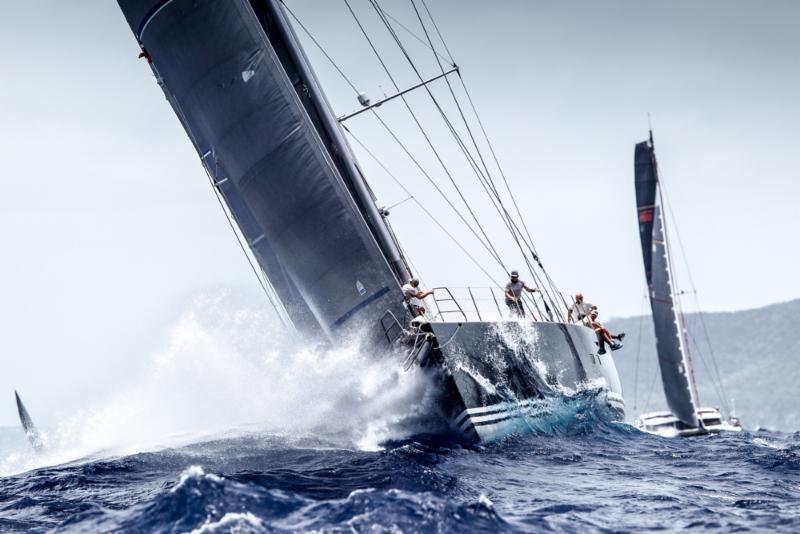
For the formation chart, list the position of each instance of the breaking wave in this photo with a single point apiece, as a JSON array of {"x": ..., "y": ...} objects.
[
  {"x": 230, "y": 368},
  {"x": 587, "y": 475}
]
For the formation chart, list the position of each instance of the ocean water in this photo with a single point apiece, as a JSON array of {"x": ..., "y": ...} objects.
[
  {"x": 236, "y": 428},
  {"x": 590, "y": 476}
]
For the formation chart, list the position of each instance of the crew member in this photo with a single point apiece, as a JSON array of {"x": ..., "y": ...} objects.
[
  {"x": 413, "y": 295},
  {"x": 513, "y": 294},
  {"x": 603, "y": 335},
  {"x": 580, "y": 310}
]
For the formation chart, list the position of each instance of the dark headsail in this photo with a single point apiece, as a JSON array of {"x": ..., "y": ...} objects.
[
  {"x": 655, "y": 253},
  {"x": 243, "y": 90},
  {"x": 31, "y": 432}
]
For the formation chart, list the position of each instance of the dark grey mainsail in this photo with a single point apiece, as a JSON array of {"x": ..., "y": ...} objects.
[
  {"x": 669, "y": 343},
  {"x": 243, "y": 90}
]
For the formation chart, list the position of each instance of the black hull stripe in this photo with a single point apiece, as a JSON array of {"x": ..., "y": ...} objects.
[
  {"x": 461, "y": 419},
  {"x": 495, "y": 421},
  {"x": 464, "y": 417},
  {"x": 515, "y": 414},
  {"x": 524, "y": 403},
  {"x": 521, "y": 408}
]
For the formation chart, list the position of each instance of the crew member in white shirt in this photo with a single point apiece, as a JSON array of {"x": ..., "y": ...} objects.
[{"x": 413, "y": 295}]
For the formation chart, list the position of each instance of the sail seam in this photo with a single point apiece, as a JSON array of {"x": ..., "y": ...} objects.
[
  {"x": 349, "y": 313},
  {"x": 150, "y": 16}
]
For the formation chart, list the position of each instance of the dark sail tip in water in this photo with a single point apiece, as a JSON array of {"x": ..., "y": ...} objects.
[
  {"x": 655, "y": 254},
  {"x": 34, "y": 437}
]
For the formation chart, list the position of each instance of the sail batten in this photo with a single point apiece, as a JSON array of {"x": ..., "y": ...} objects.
[
  {"x": 280, "y": 177},
  {"x": 655, "y": 255}
]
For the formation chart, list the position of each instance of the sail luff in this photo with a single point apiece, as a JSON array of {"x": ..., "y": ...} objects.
[{"x": 669, "y": 343}]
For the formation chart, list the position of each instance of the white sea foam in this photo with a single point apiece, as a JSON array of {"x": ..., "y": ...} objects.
[
  {"x": 228, "y": 365},
  {"x": 194, "y": 472},
  {"x": 233, "y": 522}
]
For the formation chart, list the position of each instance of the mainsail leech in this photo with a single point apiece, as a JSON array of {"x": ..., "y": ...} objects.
[{"x": 671, "y": 355}]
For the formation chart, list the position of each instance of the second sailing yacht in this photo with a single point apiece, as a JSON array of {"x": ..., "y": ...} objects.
[{"x": 685, "y": 417}]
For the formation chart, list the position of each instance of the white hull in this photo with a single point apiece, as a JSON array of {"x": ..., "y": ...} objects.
[
  {"x": 499, "y": 377},
  {"x": 667, "y": 425}
]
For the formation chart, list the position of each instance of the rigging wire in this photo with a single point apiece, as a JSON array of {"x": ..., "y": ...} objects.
[
  {"x": 716, "y": 376},
  {"x": 490, "y": 250},
  {"x": 485, "y": 136},
  {"x": 508, "y": 219},
  {"x": 677, "y": 305},
  {"x": 436, "y": 27},
  {"x": 705, "y": 366},
  {"x": 638, "y": 352},
  {"x": 421, "y": 206},
  {"x": 656, "y": 372},
  {"x": 321, "y": 49},
  {"x": 418, "y": 38},
  {"x": 271, "y": 295},
  {"x": 398, "y": 203},
  {"x": 486, "y": 183},
  {"x": 486, "y": 180},
  {"x": 424, "y": 134},
  {"x": 405, "y": 149},
  {"x": 724, "y": 399}
]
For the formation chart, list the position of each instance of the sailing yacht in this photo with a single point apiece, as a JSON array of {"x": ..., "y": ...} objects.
[
  {"x": 685, "y": 417},
  {"x": 239, "y": 81}
]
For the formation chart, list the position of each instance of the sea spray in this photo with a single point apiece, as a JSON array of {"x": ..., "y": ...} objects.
[{"x": 228, "y": 366}]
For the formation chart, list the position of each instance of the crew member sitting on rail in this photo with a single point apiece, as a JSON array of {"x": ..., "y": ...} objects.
[
  {"x": 603, "y": 335},
  {"x": 580, "y": 309},
  {"x": 413, "y": 295},
  {"x": 513, "y": 294}
]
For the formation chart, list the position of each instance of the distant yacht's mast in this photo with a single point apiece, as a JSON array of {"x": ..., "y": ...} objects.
[{"x": 675, "y": 290}]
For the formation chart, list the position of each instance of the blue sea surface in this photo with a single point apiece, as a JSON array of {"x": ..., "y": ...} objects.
[{"x": 583, "y": 474}]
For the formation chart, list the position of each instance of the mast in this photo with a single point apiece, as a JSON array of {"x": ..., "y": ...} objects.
[
  {"x": 669, "y": 330},
  {"x": 330, "y": 130},
  {"x": 242, "y": 89},
  {"x": 675, "y": 295}
]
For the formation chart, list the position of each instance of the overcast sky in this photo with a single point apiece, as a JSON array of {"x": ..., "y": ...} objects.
[{"x": 108, "y": 226}]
